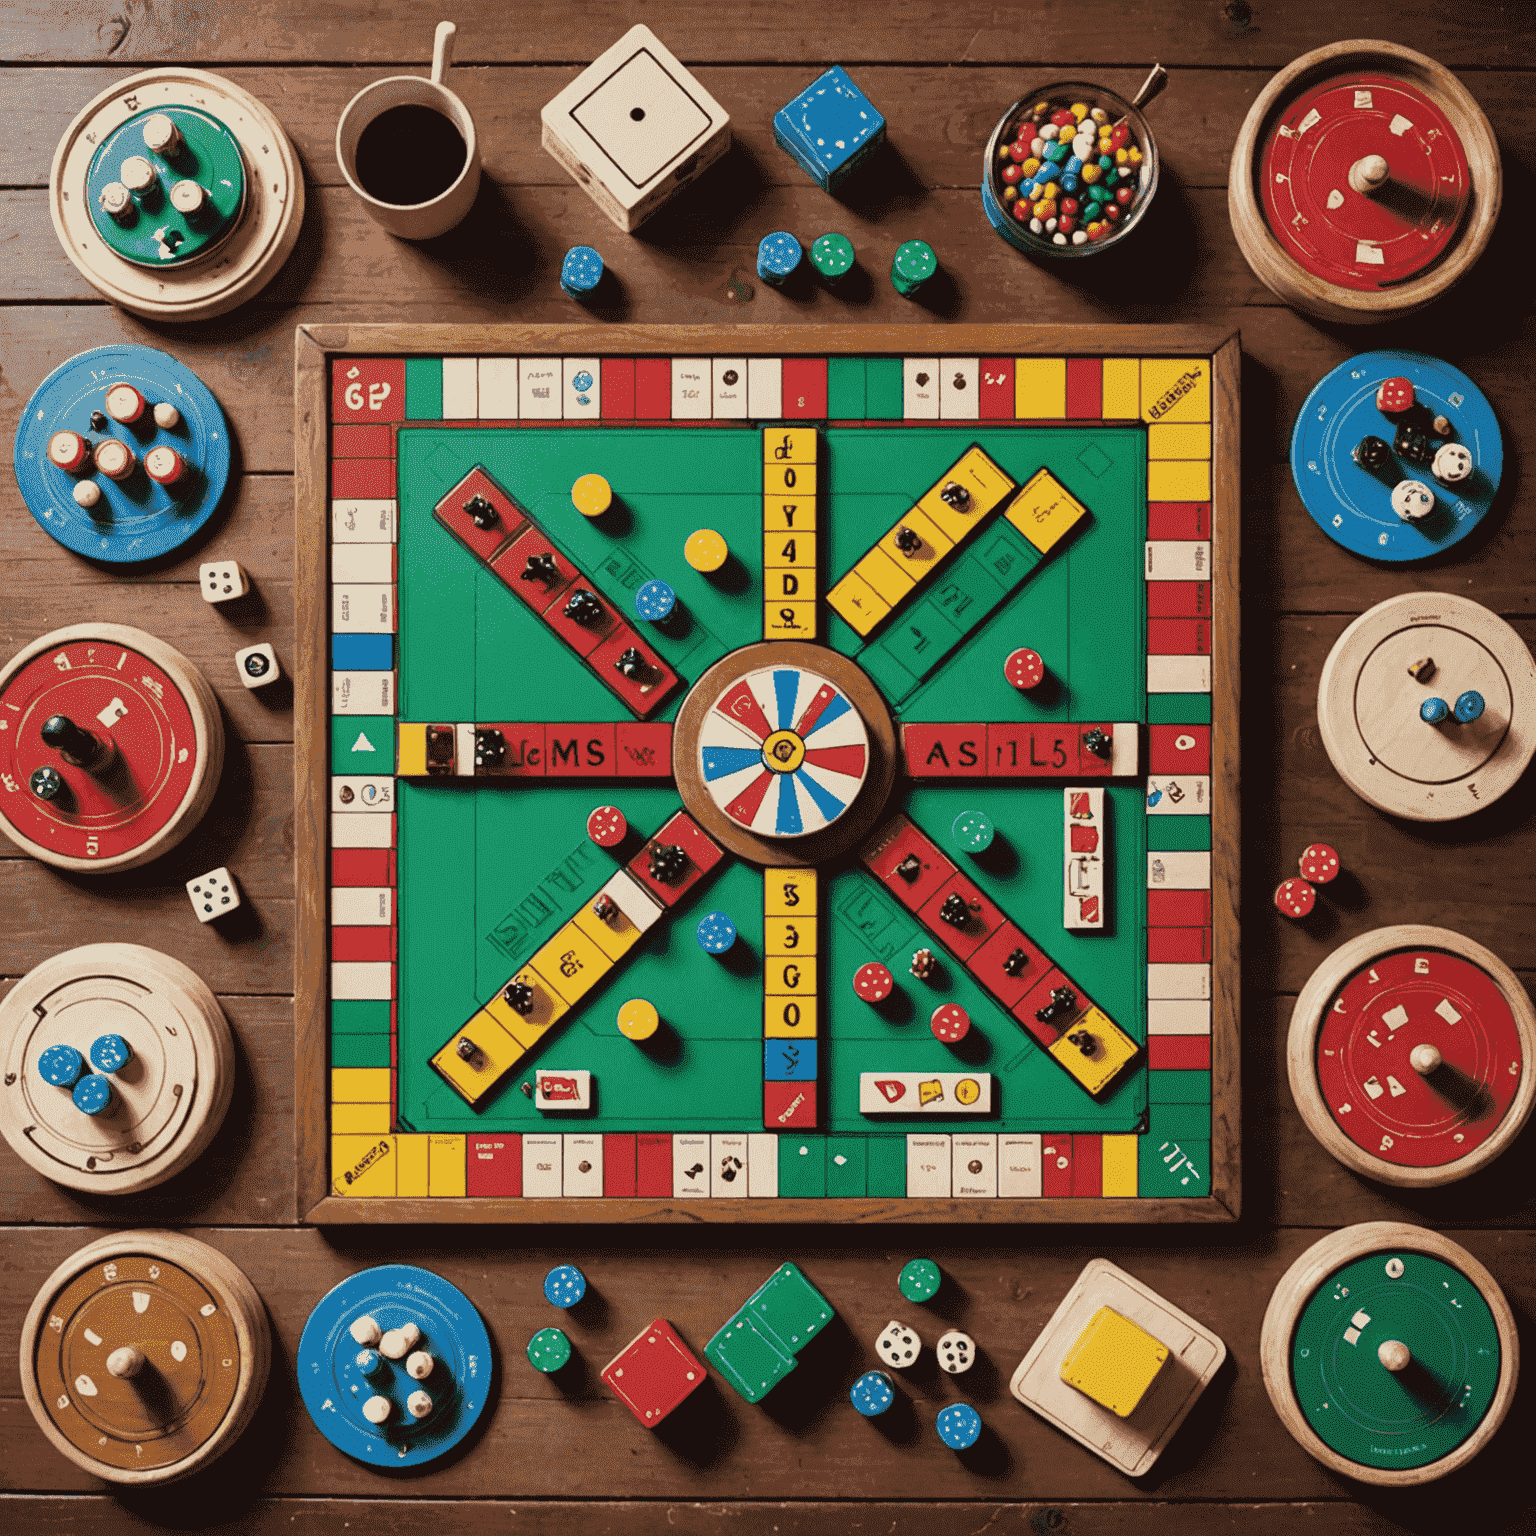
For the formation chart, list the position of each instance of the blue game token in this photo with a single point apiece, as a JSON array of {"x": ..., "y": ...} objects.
[
  {"x": 1470, "y": 706},
  {"x": 110, "y": 1053},
  {"x": 1434, "y": 711},
  {"x": 872, "y": 1394},
  {"x": 959, "y": 1426},
  {"x": 655, "y": 601},
  {"x": 716, "y": 933},
  {"x": 581, "y": 272},
  {"x": 564, "y": 1286},
  {"x": 334, "y": 1390},
  {"x": 777, "y": 256},
  {"x": 61, "y": 1065},
  {"x": 93, "y": 1094},
  {"x": 135, "y": 519},
  {"x": 1352, "y": 505}
]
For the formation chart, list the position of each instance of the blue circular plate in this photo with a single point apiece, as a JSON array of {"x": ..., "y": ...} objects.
[
  {"x": 334, "y": 1390},
  {"x": 136, "y": 520},
  {"x": 1353, "y": 506}
]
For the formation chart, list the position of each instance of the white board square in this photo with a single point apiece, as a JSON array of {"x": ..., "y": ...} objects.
[
  {"x": 361, "y": 906},
  {"x": 583, "y": 1158},
  {"x": 349, "y": 830},
  {"x": 364, "y": 521},
  {"x": 974, "y": 1165},
  {"x": 498, "y": 388},
  {"x": 539, "y": 389},
  {"x": 352, "y": 563},
  {"x": 583, "y": 388},
  {"x": 690, "y": 1167},
  {"x": 728, "y": 1157},
  {"x": 959, "y": 397},
  {"x": 362, "y": 693},
  {"x": 920, "y": 388},
  {"x": 461, "y": 390},
  {"x": 691, "y": 389},
  {"x": 763, "y": 1165},
  {"x": 729, "y": 375},
  {"x": 928, "y": 1166},
  {"x": 765, "y": 388},
  {"x": 1018, "y": 1167},
  {"x": 543, "y": 1166}
]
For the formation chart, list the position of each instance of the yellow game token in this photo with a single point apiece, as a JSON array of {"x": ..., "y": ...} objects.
[
  {"x": 705, "y": 550},
  {"x": 638, "y": 1019},
  {"x": 591, "y": 495}
]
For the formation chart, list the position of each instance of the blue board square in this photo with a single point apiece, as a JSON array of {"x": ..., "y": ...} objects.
[
  {"x": 362, "y": 653},
  {"x": 789, "y": 1061},
  {"x": 830, "y": 128}
]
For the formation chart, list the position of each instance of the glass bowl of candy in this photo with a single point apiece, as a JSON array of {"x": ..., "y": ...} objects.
[{"x": 1071, "y": 169}]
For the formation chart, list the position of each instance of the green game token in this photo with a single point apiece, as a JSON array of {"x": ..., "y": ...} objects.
[
  {"x": 915, "y": 263},
  {"x": 973, "y": 832},
  {"x": 548, "y": 1350},
  {"x": 919, "y": 1280},
  {"x": 832, "y": 256}
]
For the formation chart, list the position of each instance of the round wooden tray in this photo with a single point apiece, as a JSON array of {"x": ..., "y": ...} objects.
[{"x": 1279, "y": 270}]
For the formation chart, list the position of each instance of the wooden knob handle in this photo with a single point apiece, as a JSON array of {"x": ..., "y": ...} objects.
[
  {"x": 1369, "y": 174},
  {"x": 125, "y": 1362},
  {"x": 1394, "y": 1354},
  {"x": 1424, "y": 1059}
]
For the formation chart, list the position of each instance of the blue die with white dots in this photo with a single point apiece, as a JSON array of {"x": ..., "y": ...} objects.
[
  {"x": 778, "y": 255},
  {"x": 581, "y": 271},
  {"x": 831, "y": 128},
  {"x": 716, "y": 933},
  {"x": 564, "y": 1285},
  {"x": 872, "y": 1394},
  {"x": 93, "y": 1094},
  {"x": 959, "y": 1426},
  {"x": 61, "y": 1065},
  {"x": 110, "y": 1053},
  {"x": 655, "y": 601}
]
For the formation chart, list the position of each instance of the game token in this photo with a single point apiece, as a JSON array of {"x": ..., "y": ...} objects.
[
  {"x": 898, "y": 1345},
  {"x": 60, "y": 1066},
  {"x": 831, "y": 128},
  {"x": 716, "y": 933},
  {"x": 832, "y": 256},
  {"x": 956, "y": 1352},
  {"x": 1470, "y": 706},
  {"x": 1434, "y": 711},
  {"x": 1295, "y": 898},
  {"x": 923, "y": 964},
  {"x": 778, "y": 255},
  {"x": 581, "y": 272},
  {"x": 405, "y": 1301},
  {"x": 872, "y": 1394},
  {"x": 607, "y": 827},
  {"x": 973, "y": 831},
  {"x": 1452, "y": 464},
  {"x": 1319, "y": 863},
  {"x": 1394, "y": 397},
  {"x": 959, "y": 1426},
  {"x": 913, "y": 265},
  {"x": 1412, "y": 500},
  {"x": 1024, "y": 669},
  {"x": 873, "y": 982},
  {"x": 110, "y": 1053},
  {"x": 705, "y": 550},
  {"x": 655, "y": 601},
  {"x": 591, "y": 495},
  {"x": 654, "y": 1372},
  {"x": 564, "y": 1285},
  {"x": 93, "y": 1094},
  {"x": 919, "y": 1280},
  {"x": 950, "y": 1023},
  {"x": 548, "y": 1350},
  {"x": 638, "y": 1019}
]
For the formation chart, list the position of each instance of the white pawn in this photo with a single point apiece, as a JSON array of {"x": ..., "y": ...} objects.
[
  {"x": 419, "y": 1366},
  {"x": 1452, "y": 464},
  {"x": 399, "y": 1342},
  {"x": 419, "y": 1404},
  {"x": 956, "y": 1352},
  {"x": 365, "y": 1331},
  {"x": 898, "y": 1345},
  {"x": 167, "y": 417},
  {"x": 376, "y": 1410},
  {"x": 1412, "y": 500},
  {"x": 87, "y": 493}
]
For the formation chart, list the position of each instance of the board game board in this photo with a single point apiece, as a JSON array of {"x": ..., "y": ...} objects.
[{"x": 834, "y": 746}]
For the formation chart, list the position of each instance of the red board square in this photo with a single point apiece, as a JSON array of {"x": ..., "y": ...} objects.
[
  {"x": 653, "y": 1165},
  {"x": 644, "y": 694},
  {"x": 537, "y": 592},
  {"x": 1178, "y": 599},
  {"x": 1178, "y": 946},
  {"x": 1036, "y": 998},
  {"x": 1056, "y": 1165},
  {"x": 1088, "y": 1166},
  {"x": 982, "y": 918},
  {"x": 618, "y": 1166},
  {"x": 493, "y": 1165},
  {"x": 1178, "y": 520},
  {"x": 896, "y": 841},
  {"x": 362, "y": 479},
  {"x": 375, "y": 942},
  {"x": 653, "y": 389},
  {"x": 644, "y": 750},
  {"x": 986, "y": 965},
  {"x": 363, "y": 440},
  {"x": 653, "y": 1373},
  {"x": 703, "y": 854},
  {"x": 1178, "y": 637},
  {"x": 583, "y": 639},
  {"x": 525, "y": 756},
  {"x": 1178, "y": 909},
  {"x": 1178, "y": 749},
  {"x": 1179, "y": 1053},
  {"x": 579, "y": 751},
  {"x": 618, "y": 389},
  {"x": 368, "y": 389},
  {"x": 996, "y": 395},
  {"x": 789, "y": 1106},
  {"x": 805, "y": 386},
  {"x": 362, "y": 866},
  {"x": 1085, "y": 388},
  {"x": 945, "y": 751},
  {"x": 480, "y": 542}
]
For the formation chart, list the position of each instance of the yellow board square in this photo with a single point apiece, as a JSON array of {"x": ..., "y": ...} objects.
[
  {"x": 789, "y": 621},
  {"x": 789, "y": 445},
  {"x": 789, "y": 936},
  {"x": 783, "y": 548},
  {"x": 1175, "y": 389},
  {"x": 789, "y": 1018},
  {"x": 363, "y": 1167},
  {"x": 615, "y": 937},
  {"x": 782, "y": 513},
  {"x": 1122, "y": 389},
  {"x": 548, "y": 1009},
  {"x": 496, "y": 1054},
  {"x": 1045, "y": 511},
  {"x": 783, "y": 584},
  {"x": 790, "y": 975},
  {"x": 936, "y": 544},
  {"x": 360, "y": 1118},
  {"x": 789, "y": 480},
  {"x": 857, "y": 603},
  {"x": 359, "y": 1085},
  {"x": 571, "y": 963},
  {"x": 411, "y": 1176},
  {"x": 987, "y": 483},
  {"x": 1040, "y": 388},
  {"x": 1179, "y": 480},
  {"x": 411, "y": 751},
  {"x": 1175, "y": 440},
  {"x": 1113, "y": 1362},
  {"x": 1114, "y": 1049},
  {"x": 446, "y": 1177},
  {"x": 1120, "y": 1166},
  {"x": 891, "y": 581},
  {"x": 789, "y": 893}
]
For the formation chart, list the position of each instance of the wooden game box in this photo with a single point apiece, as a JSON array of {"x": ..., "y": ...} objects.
[{"x": 455, "y": 726}]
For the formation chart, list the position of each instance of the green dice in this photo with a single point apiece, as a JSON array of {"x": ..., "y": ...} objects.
[
  {"x": 832, "y": 256},
  {"x": 919, "y": 1280},
  {"x": 915, "y": 263},
  {"x": 548, "y": 1350}
]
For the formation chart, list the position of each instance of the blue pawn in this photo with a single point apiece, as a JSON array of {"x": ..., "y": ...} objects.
[
  {"x": 93, "y": 1094},
  {"x": 581, "y": 272},
  {"x": 1434, "y": 711},
  {"x": 959, "y": 1426},
  {"x": 655, "y": 601},
  {"x": 716, "y": 933},
  {"x": 1470, "y": 706},
  {"x": 872, "y": 1394},
  {"x": 777, "y": 257},
  {"x": 110, "y": 1053},
  {"x": 564, "y": 1286},
  {"x": 61, "y": 1065}
]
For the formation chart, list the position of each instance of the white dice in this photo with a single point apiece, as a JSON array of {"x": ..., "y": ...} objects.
[
  {"x": 257, "y": 666},
  {"x": 1412, "y": 500},
  {"x": 213, "y": 895},
  {"x": 956, "y": 1352},
  {"x": 898, "y": 1345},
  {"x": 1453, "y": 463},
  {"x": 222, "y": 581}
]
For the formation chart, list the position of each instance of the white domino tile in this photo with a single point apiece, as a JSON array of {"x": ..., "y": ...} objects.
[
  {"x": 543, "y": 1166},
  {"x": 362, "y": 981},
  {"x": 361, "y": 906},
  {"x": 362, "y": 563},
  {"x": 929, "y": 1161},
  {"x": 691, "y": 389},
  {"x": 920, "y": 388},
  {"x": 359, "y": 608},
  {"x": 959, "y": 396},
  {"x": 690, "y": 1167},
  {"x": 1178, "y": 560},
  {"x": 974, "y": 1165},
  {"x": 728, "y": 1159},
  {"x": 498, "y": 388},
  {"x": 1184, "y": 871},
  {"x": 1190, "y": 982},
  {"x": 763, "y": 1165},
  {"x": 583, "y": 1166},
  {"x": 632, "y": 900},
  {"x": 1184, "y": 794},
  {"x": 1018, "y": 1167},
  {"x": 369, "y": 521},
  {"x": 765, "y": 388},
  {"x": 362, "y": 693},
  {"x": 362, "y": 792},
  {"x": 1178, "y": 1016},
  {"x": 1085, "y": 847},
  {"x": 1125, "y": 750},
  {"x": 349, "y": 830},
  {"x": 729, "y": 388},
  {"x": 583, "y": 388},
  {"x": 1178, "y": 674},
  {"x": 461, "y": 389},
  {"x": 539, "y": 388},
  {"x": 464, "y": 750}
]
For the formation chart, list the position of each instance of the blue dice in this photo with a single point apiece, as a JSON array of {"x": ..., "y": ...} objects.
[
  {"x": 872, "y": 1394},
  {"x": 61, "y": 1065},
  {"x": 831, "y": 128},
  {"x": 581, "y": 272},
  {"x": 93, "y": 1094},
  {"x": 1470, "y": 706},
  {"x": 655, "y": 601},
  {"x": 778, "y": 255},
  {"x": 564, "y": 1285},
  {"x": 110, "y": 1053},
  {"x": 716, "y": 933},
  {"x": 959, "y": 1426},
  {"x": 1433, "y": 711}
]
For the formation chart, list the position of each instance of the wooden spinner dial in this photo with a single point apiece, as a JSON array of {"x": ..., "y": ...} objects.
[
  {"x": 134, "y": 763},
  {"x": 1389, "y": 1353},
  {"x": 144, "y": 1356},
  {"x": 167, "y": 1097},
  {"x": 1374, "y": 687},
  {"x": 1364, "y": 183}
]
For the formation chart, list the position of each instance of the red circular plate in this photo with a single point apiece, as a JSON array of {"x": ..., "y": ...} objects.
[
  {"x": 1397, "y": 1002},
  {"x": 117, "y": 694},
  {"x": 1350, "y": 238}
]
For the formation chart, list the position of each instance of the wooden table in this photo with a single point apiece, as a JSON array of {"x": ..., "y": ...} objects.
[{"x": 938, "y": 72}]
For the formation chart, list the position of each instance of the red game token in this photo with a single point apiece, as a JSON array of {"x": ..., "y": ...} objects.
[
  {"x": 1024, "y": 669},
  {"x": 1319, "y": 863},
  {"x": 873, "y": 982},
  {"x": 607, "y": 827},
  {"x": 950, "y": 1022},
  {"x": 1295, "y": 898},
  {"x": 1394, "y": 396}
]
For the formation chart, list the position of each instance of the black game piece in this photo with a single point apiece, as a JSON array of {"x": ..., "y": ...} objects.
[
  {"x": 630, "y": 664},
  {"x": 1014, "y": 962},
  {"x": 581, "y": 607},
  {"x": 1414, "y": 445},
  {"x": 466, "y": 1049},
  {"x": 1082, "y": 1040},
  {"x": 954, "y": 911},
  {"x": 910, "y": 867},
  {"x": 667, "y": 862},
  {"x": 440, "y": 743},
  {"x": 518, "y": 996},
  {"x": 1373, "y": 454},
  {"x": 70, "y": 742},
  {"x": 605, "y": 908},
  {"x": 1097, "y": 742},
  {"x": 955, "y": 495},
  {"x": 490, "y": 749},
  {"x": 481, "y": 513},
  {"x": 47, "y": 784},
  {"x": 1063, "y": 1000},
  {"x": 923, "y": 964},
  {"x": 98, "y": 421},
  {"x": 908, "y": 540},
  {"x": 539, "y": 568}
]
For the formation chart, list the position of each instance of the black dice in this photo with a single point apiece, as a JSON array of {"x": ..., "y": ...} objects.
[
  {"x": 581, "y": 607},
  {"x": 481, "y": 513},
  {"x": 1097, "y": 742},
  {"x": 667, "y": 863},
  {"x": 1373, "y": 454},
  {"x": 490, "y": 749},
  {"x": 1014, "y": 962},
  {"x": 518, "y": 996},
  {"x": 1414, "y": 445}
]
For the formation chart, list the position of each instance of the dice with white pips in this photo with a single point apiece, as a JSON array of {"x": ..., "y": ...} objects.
[{"x": 1412, "y": 500}]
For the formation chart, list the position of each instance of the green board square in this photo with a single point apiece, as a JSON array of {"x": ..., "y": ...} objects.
[
  {"x": 1005, "y": 552},
  {"x": 1179, "y": 1120},
  {"x": 1167, "y": 1167},
  {"x": 362, "y": 744},
  {"x": 883, "y": 389},
  {"x": 748, "y": 1358},
  {"x": 787, "y": 1308},
  {"x": 887, "y": 1158},
  {"x": 966, "y": 592},
  {"x": 359, "y": 1050},
  {"x": 845, "y": 388},
  {"x": 1179, "y": 1087},
  {"x": 891, "y": 677},
  {"x": 1179, "y": 708},
  {"x": 423, "y": 389},
  {"x": 848, "y": 1176},
  {"x": 921, "y": 638},
  {"x": 802, "y": 1167},
  {"x": 1167, "y": 834},
  {"x": 350, "y": 1017}
]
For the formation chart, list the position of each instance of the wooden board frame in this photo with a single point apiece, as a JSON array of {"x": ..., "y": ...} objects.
[{"x": 316, "y": 345}]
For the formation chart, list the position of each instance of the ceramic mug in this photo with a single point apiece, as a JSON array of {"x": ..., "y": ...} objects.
[{"x": 414, "y": 221}]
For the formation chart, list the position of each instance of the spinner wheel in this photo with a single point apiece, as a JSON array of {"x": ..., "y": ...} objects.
[
  {"x": 136, "y": 517},
  {"x": 111, "y": 746},
  {"x": 168, "y": 1091},
  {"x": 1389, "y": 1353},
  {"x": 123, "y": 211},
  {"x": 1401, "y": 655},
  {"x": 1353, "y": 504},
  {"x": 1364, "y": 183},
  {"x": 395, "y": 1366},
  {"x": 1411, "y": 1054},
  {"x": 144, "y": 1356}
]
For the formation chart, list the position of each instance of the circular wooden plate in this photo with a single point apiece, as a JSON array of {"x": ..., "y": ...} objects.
[
  {"x": 241, "y": 264},
  {"x": 160, "y": 716},
  {"x": 1368, "y": 706},
  {"x": 201, "y": 1329},
  {"x": 1360, "y": 1018},
  {"x": 1333, "y": 251},
  {"x": 1334, "y": 1308},
  {"x": 170, "y": 1098}
]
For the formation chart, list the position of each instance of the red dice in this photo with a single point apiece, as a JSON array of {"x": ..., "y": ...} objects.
[
  {"x": 873, "y": 982},
  {"x": 1295, "y": 898},
  {"x": 950, "y": 1023},
  {"x": 607, "y": 827},
  {"x": 1394, "y": 396},
  {"x": 1319, "y": 864},
  {"x": 1024, "y": 669}
]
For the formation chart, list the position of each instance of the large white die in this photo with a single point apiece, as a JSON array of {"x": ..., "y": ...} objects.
[
  {"x": 222, "y": 581},
  {"x": 898, "y": 1345},
  {"x": 213, "y": 895},
  {"x": 956, "y": 1352},
  {"x": 635, "y": 127},
  {"x": 257, "y": 665}
]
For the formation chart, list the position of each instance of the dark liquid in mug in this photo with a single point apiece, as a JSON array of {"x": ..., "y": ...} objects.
[{"x": 409, "y": 154}]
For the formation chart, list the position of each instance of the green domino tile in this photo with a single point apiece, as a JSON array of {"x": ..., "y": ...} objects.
[
  {"x": 1192, "y": 1120},
  {"x": 1179, "y": 708},
  {"x": 362, "y": 743},
  {"x": 360, "y": 1018},
  {"x": 747, "y": 1358},
  {"x": 847, "y": 1166},
  {"x": 1179, "y": 1087},
  {"x": 787, "y": 1308},
  {"x": 845, "y": 388},
  {"x": 802, "y": 1167},
  {"x": 887, "y": 1159},
  {"x": 883, "y": 389},
  {"x": 1169, "y": 1166},
  {"x": 423, "y": 389},
  {"x": 359, "y": 1050},
  {"x": 1167, "y": 834}
]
